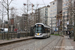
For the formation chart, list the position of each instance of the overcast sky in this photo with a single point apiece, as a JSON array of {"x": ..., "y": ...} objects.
[{"x": 18, "y": 4}]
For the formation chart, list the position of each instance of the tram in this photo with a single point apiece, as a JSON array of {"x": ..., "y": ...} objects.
[{"x": 41, "y": 30}]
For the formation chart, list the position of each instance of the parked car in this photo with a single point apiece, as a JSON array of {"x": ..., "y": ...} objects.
[{"x": 3, "y": 29}]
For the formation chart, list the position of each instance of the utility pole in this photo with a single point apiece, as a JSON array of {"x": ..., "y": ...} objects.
[
  {"x": 8, "y": 19},
  {"x": 58, "y": 25},
  {"x": 51, "y": 24},
  {"x": 74, "y": 26},
  {"x": 27, "y": 16},
  {"x": 63, "y": 25},
  {"x": 27, "y": 6},
  {"x": 26, "y": 24},
  {"x": 74, "y": 20},
  {"x": 2, "y": 19},
  {"x": 2, "y": 14}
]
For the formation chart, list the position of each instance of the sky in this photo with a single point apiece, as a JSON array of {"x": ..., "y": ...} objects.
[{"x": 18, "y": 4}]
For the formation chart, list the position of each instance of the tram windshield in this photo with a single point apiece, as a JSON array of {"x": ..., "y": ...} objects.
[{"x": 38, "y": 29}]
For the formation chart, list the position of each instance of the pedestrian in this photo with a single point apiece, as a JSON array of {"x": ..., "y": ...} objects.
[
  {"x": 66, "y": 32},
  {"x": 18, "y": 34},
  {"x": 69, "y": 33}
]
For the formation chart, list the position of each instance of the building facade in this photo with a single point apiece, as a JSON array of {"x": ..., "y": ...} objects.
[
  {"x": 67, "y": 7},
  {"x": 37, "y": 15},
  {"x": 53, "y": 13},
  {"x": 42, "y": 15},
  {"x": 31, "y": 19}
]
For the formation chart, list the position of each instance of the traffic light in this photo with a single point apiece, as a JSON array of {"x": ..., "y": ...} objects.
[
  {"x": 24, "y": 4},
  {"x": 32, "y": 5}
]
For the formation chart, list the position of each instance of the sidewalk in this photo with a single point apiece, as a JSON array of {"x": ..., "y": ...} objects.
[
  {"x": 68, "y": 44},
  {"x": 14, "y": 40}
]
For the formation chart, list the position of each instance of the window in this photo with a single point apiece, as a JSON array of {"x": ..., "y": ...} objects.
[
  {"x": 64, "y": 4},
  {"x": 65, "y": 0},
  {"x": 65, "y": 8},
  {"x": 53, "y": 3},
  {"x": 63, "y": 12},
  {"x": 46, "y": 14},
  {"x": 38, "y": 29},
  {"x": 46, "y": 9},
  {"x": 66, "y": 12}
]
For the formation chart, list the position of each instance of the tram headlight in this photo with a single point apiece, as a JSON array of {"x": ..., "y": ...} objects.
[{"x": 40, "y": 34}]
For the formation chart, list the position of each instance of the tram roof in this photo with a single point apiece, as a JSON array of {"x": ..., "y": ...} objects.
[{"x": 43, "y": 25}]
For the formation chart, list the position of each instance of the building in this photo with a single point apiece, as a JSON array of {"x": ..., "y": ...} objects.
[
  {"x": 67, "y": 6},
  {"x": 53, "y": 13},
  {"x": 59, "y": 21},
  {"x": 42, "y": 15},
  {"x": 37, "y": 14},
  {"x": 31, "y": 19},
  {"x": 25, "y": 22},
  {"x": 18, "y": 22},
  {"x": 59, "y": 15},
  {"x": 55, "y": 9}
]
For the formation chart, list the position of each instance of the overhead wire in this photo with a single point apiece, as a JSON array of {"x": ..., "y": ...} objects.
[{"x": 43, "y": 2}]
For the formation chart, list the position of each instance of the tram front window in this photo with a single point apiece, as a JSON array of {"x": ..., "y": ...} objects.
[{"x": 38, "y": 29}]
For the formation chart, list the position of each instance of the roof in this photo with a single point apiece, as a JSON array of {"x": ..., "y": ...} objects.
[{"x": 43, "y": 25}]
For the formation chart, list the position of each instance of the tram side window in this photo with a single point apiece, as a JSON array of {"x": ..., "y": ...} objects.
[
  {"x": 46, "y": 30},
  {"x": 43, "y": 29}
]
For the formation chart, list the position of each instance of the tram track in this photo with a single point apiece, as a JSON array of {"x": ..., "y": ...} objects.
[
  {"x": 58, "y": 44},
  {"x": 55, "y": 39}
]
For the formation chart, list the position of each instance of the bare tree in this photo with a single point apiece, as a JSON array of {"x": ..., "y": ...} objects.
[
  {"x": 71, "y": 13},
  {"x": 6, "y": 4},
  {"x": 13, "y": 12}
]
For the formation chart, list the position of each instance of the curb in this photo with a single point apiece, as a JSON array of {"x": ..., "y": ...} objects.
[{"x": 16, "y": 40}]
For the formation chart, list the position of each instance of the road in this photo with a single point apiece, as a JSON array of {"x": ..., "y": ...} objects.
[{"x": 36, "y": 44}]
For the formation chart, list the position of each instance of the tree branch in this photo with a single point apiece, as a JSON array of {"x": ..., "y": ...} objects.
[
  {"x": 10, "y": 2},
  {"x": 4, "y": 2},
  {"x": 4, "y": 6}
]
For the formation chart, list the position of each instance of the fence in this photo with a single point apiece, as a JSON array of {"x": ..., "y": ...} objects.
[{"x": 13, "y": 35}]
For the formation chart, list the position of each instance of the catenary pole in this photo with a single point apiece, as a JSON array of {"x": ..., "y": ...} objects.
[{"x": 74, "y": 20}]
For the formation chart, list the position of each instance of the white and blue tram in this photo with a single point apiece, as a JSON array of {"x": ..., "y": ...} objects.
[{"x": 41, "y": 31}]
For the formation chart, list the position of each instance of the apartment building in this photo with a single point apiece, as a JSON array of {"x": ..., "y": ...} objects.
[
  {"x": 55, "y": 9},
  {"x": 53, "y": 13},
  {"x": 42, "y": 14},
  {"x": 37, "y": 14},
  {"x": 67, "y": 6}
]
